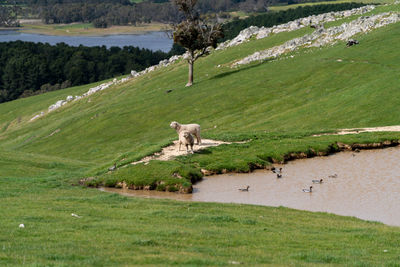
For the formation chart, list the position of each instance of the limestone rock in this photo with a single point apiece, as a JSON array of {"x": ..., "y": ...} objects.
[
  {"x": 322, "y": 36},
  {"x": 37, "y": 116},
  {"x": 317, "y": 20},
  {"x": 57, "y": 105}
]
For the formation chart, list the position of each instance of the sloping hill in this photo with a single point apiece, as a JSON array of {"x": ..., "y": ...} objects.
[
  {"x": 276, "y": 105},
  {"x": 317, "y": 90}
]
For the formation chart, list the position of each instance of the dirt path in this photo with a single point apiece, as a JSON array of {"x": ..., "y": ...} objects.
[
  {"x": 395, "y": 128},
  {"x": 170, "y": 152}
]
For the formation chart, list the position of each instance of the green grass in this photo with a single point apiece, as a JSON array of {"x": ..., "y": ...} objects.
[
  {"x": 116, "y": 230},
  {"x": 277, "y": 105}
]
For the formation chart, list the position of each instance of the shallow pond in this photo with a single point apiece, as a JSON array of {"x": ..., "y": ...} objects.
[
  {"x": 367, "y": 186},
  {"x": 151, "y": 40}
]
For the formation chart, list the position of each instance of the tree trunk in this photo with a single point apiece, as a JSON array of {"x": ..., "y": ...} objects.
[{"x": 190, "y": 77}]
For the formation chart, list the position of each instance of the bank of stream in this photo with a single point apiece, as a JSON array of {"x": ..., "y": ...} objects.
[{"x": 367, "y": 186}]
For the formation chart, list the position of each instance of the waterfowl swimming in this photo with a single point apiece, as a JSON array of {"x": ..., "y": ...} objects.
[
  {"x": 277, "y": 171},
  {"x": 244, "y": 189},
  {"x": 308, "y": 190},
  {"x": 333, "y": 176},
  {"x": 278, "y": 175},
  {"x": 113, "y": 168},
  {"x": 317, "y": 181}
]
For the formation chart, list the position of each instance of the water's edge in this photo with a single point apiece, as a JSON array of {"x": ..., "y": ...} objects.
[
  {"x": 154, "y": 40},
  {"x": 367, "y": 185}
]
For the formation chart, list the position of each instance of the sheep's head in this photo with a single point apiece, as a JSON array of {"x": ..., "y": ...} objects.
[
  {"x": 186, "y": 134},
  {"x": 174, "y": 125}
]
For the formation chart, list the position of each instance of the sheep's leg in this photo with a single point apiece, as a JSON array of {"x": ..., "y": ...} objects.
[
  {"x": 191, "y": 146},
  {"x": 187, "y": 148},
  {"x": 179, "y": 146},
  {"x": 198, "y": 138}
]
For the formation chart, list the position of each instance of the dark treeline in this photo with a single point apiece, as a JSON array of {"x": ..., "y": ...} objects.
[
  {"x": 107, "y": 14},
  {"x": 29, "y": 68},
  {"x": 270, "y": 19}
]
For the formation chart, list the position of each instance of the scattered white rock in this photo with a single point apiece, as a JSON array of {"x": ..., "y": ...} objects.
[
  {"x": 315, "y": 20},
  {"x": 21, "y": 225},
  {"x": 321, "y": 36},
  {"x": 174, "y": 58},
  {"x": 37, "y": 116},
  {"x": 164, "y": 63},
  {"x": 57, "y": 105},
  {"x": 134, "y": 73},
  {"x": 53, "y": 133},
  {"x": 75, "y": 215},
  {"x": 69, "y": 98}
]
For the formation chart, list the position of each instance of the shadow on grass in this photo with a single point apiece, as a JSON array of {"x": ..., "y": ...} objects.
[
  {"x": 228, "y": 73},
  {"x": 203, "y": 151}
]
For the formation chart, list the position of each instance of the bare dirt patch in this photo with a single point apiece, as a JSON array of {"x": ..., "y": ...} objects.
[
  {"x": 170, "y": 152},
  {"x": 395, "y": 128}
]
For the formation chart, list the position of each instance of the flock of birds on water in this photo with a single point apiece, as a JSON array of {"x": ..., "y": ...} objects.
[{"x": 278, "y": 173}]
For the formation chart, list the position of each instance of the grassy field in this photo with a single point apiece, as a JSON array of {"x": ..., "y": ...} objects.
[{"x": 277, "y": 104}]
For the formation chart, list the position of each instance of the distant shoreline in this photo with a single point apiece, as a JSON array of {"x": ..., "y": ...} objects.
[{"x": 84, "y": 29}]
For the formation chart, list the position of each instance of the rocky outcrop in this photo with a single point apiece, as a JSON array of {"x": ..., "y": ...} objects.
[
  {"x": 321, "y": 36},
  {"x": 315, "y": 21},
  {"x": 57, "y": 105}
]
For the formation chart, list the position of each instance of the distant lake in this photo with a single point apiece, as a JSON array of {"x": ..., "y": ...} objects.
[{"x": 151, "y": 40}]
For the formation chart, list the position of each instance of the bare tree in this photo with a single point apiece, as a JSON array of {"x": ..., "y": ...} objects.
[
  {"x": 195, "y": 35},
  {"x": 8, "y": 16}
]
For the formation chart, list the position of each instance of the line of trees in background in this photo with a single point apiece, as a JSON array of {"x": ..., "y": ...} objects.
[
  {"x": 106, "y": 14},
  {"x": 232, "y": 28},
  {"x": 29, "y": 68}
]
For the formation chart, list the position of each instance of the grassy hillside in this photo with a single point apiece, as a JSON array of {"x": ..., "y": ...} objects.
[
  {"x": 309, "y": 93},
  {"x": 277, "y": 104}
]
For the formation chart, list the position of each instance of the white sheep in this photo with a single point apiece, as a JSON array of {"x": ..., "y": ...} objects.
[
  {"x": 186, "y": 139},
  {"x": 191, "y": 128}
]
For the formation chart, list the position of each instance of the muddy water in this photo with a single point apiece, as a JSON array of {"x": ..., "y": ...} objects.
[{"x": 367, "y": 186}]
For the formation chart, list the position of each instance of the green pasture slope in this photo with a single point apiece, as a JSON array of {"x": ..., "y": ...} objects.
[{"x": 277, "y": 105}]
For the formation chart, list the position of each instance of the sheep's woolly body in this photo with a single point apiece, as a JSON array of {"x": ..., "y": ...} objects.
[
  {"x": 191, "y": 128},
  {"x": 186, "y": 139}
]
